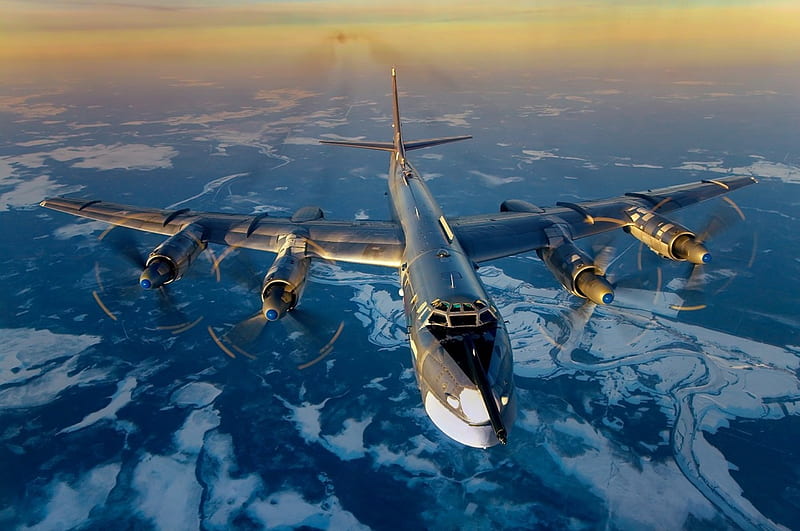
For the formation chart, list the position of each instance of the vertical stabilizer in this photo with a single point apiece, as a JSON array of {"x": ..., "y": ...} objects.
[
  {"x": 397, "y": 145},
  {"x": 398, "y": 134}
]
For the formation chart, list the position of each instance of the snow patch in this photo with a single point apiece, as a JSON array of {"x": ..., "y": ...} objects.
[
  {"x": 39, "y": 365},
  {"x": 381, "y": 316},
  {"x": 197, "y": 394},
  {"x": 70, "y": 505},
  {"x": 226, "y": 495},
  {"x": 28, "y": 193},
  {"x": 81, "y": 228},
  {"x": 29, "y": 350},
  {"x": 534, "y": 155},
  {"x": 761, "y": 169},
  {"x": 169, "y": 494},
  {"x": 105, "y": 157},
  {"x": 289, "y": 510},
  {"x": 495, "y": 180},
  {"x": 348, "y": 444},
  {"x": 120, "y": 399}
]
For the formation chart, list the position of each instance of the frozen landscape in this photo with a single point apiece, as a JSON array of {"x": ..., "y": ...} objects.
[{"x": 118, "y": 409}]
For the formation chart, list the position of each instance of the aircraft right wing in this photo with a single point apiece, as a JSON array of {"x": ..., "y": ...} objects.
[{"x": 524, "y": 227}]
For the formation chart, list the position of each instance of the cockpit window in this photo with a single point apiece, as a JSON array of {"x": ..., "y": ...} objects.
[
  {"x": 438, "y": 318},
  {"x": 487, "y": 317},
  {"x": 460, "y": 314},
  {"x": 439, "y": 304},
  {"x": 463, "y": 320}
]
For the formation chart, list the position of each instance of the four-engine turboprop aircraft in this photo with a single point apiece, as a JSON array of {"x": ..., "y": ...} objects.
[{"x": 460, "y": 346}]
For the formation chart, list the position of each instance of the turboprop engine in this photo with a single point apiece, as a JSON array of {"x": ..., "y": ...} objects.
[
  {"x": 577, "y": 272},
  {"x": 666, "y": 238},
  {"x": 284, "y": 282},
  {"x": 170, "y": 260}
]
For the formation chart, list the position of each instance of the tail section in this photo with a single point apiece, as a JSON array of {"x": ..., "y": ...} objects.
[
  {"x": 419, "y": 144},
  {"x": 397, "y": 145},
  {"x": 389, "y": 146},
  {"x": 380, "y": 146}
]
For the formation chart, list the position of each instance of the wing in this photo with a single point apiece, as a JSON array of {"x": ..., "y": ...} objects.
[
  {"x": 363, "y": 242},
  {"x": 491, "y": 236}
]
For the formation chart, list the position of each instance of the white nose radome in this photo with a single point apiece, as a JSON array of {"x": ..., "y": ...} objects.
[{"x": 479, "y": 435}]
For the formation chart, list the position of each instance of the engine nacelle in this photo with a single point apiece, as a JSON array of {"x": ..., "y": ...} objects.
[
  {"x": 170, "y": 260},
  {"x": 577, "y": 273},
  {"x": 518, "y": 205},
  {"x": 284, "y": 282},
  {"x": 666, "y": 238}
]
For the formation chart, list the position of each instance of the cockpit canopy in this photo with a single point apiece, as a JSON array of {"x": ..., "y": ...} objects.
[{"x": 460, "y": 314}]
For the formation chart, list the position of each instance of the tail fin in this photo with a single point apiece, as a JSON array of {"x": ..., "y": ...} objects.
[
  {"x": 398, "y": 133},
  {"x": 397, "y": 145}
]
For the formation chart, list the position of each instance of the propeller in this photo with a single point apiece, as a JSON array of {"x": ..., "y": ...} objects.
[
  {"x": 240, "y": 336},
  {"x": 109, "y": 296},
  {"x": 604, "y": 253},
  {"x": 244, "y": 337},
  {"x": 694, "y": 279},
  {"x": 312, "y": 331},
  {"x": 125, "y": 245},
  {"x": 630, "y": 290}
]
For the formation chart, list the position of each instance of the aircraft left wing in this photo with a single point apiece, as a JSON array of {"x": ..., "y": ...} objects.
[
  {"x": 523, "y": 227},
  {"x": 363, "y": 242}
]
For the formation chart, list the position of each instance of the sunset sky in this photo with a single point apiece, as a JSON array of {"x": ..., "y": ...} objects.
[{"x": 518, "y": 34}]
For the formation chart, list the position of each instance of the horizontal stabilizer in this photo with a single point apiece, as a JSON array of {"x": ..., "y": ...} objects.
[
  {"x": 389, "y": 146},
  {"x": 380, "y": 146},
  {"x": 419, "y": 144}
]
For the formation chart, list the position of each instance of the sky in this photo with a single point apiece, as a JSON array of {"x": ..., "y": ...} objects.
[{"x": 580, "y": 35}]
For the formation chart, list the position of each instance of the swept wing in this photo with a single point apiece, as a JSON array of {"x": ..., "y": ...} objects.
[
  {"x": 363, "y": 242},
  {"x": 484, "y": 236},
  {"x": 491, "y": 236}
]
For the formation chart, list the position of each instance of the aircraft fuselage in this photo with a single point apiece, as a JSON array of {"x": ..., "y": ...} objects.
[{"x": 461, "y": 351}]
